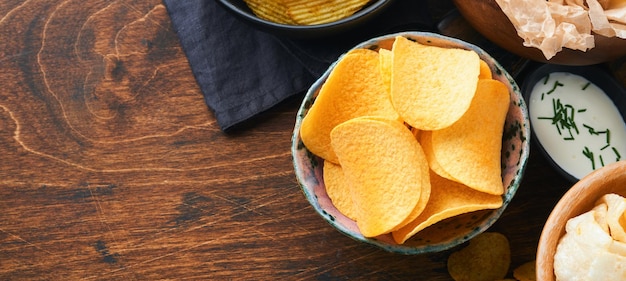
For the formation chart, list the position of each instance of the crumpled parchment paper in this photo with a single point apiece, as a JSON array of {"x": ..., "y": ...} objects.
[{"x": 553, "y": 25}]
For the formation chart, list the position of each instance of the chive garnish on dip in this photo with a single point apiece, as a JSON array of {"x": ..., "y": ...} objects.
[{"x": 559, "y": 104}]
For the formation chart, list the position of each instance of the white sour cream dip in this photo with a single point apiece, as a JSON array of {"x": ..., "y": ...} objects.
[{"x": 576, "y": 123}]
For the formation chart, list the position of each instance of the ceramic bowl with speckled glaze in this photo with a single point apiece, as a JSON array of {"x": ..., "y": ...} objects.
[{"x": 450, "y": 232}]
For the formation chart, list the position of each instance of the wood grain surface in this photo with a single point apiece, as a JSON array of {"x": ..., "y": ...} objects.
[{"x": 113, "y": 168}]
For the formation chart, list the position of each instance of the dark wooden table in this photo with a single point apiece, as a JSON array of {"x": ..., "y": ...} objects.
[{"x": 113, "y": 168}]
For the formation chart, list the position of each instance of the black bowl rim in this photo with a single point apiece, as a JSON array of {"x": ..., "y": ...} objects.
[
  {"x": 308, "y": 31},
  {"x": 595, "y": 74}
]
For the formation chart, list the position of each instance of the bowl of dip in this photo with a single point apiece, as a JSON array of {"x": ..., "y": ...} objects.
[
  {"x": 577, "y": 117},
  {"x": 578, "y": 239}
]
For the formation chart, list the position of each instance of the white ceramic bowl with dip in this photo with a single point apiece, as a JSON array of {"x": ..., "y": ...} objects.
[{"x": 577, "y": 117}]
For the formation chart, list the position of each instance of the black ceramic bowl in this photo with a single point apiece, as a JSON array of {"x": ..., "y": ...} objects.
[
  {"x": 242, "y": 11},
  {"x": 613, "y": 90}
]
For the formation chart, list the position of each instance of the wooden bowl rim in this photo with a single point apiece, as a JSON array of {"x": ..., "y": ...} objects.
[{"x": 577, "y": 200}]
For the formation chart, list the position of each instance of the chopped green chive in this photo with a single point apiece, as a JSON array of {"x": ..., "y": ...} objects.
[
  {"x": 564, "y": 120},
  {"x": 586, "y": 85},
  {"x": 589, "y": 155},
  {"x": 556, "y": 84},
  {"x": 617, "y": 155},
  {"x": 601, "y": 160}
]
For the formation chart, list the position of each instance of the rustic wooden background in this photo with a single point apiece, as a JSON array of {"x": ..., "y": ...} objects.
[{"x": 113, "y": 168}]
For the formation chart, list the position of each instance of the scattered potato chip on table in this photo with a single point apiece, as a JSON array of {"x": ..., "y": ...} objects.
[
  {"x": 525, "y": 272},
  {"x": 487, "y": 257}
]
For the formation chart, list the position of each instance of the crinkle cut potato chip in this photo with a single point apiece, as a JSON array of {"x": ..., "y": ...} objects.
[
  {"x": 338, "y": 189},
  {"x": 354, "y": 88},
  {"x": 272, "y": 10},
  {"x": 304, "y": 12},
  {"x": 487, "y": 257},
  {"x": 386, "y": 166},
  {"x": 447, "y": 199},
  {"x": 309, "y": 12},
  {"x": 432, "y": 87},
  {"x": 469, "y": 150}
]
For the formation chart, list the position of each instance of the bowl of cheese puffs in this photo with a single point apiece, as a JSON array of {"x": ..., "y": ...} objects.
[{"x": 305, "y": 19}]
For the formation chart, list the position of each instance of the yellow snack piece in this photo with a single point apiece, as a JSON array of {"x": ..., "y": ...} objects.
[
  {"x": 310, "y": 12},
  {"x": 485, "y": 71},
  {"x": 526, "y": 272},
  {"x": 487, "y": 257},
  {"x": 469, "y": 150},
  {"x": 338, "y": 189},
  {"x": 386, "y": 166},
  {"x": 304, "y": 12},
  {"x": 354, "y": 88},
  {"x": 272, "y": 10},
  {"x": 447, "y": 199},
  {"x": 385, "y": 67},
  {"x": 432, "y": 87}
]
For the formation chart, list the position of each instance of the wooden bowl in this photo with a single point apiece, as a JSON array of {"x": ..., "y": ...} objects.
[
  {"x": 488, "y": 19},
  {"x": 578, "y": 200}
]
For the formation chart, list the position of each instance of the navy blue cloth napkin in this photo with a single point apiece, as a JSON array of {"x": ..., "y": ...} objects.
[{"x": 243, "y": 71}]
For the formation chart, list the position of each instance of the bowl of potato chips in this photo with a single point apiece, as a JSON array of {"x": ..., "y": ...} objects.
[
  {"x": 305, "y": 19},
  {"x": 413, "y": 142},
  {"x": 584, "y": 238}
]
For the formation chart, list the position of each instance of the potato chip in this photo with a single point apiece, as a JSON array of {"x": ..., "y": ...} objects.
[
  {"x": 447, "y": 199},
  {"x": 421, "y": 205},
  {"x": 485, "y": 71},
  {"x": 309, "y": 12},
  {"x": 425, "y": 139},
  {"x": 338, "y": 189},
  {"x": 432, "y": 87},
  {"x": 600, "y": 212},
  {"x": 385, "y": 67},
  {"x": 526, "y": 272},
  {"x": 469, "y": 150},
  {"x": 487, "y": 257},
  {"x": 272, "y": 10},
  {"x": 354, "y": 88},
  {"x": 304, "y": 12},
  {"x": 386, "y": 166},
  {"x": 616, "y": 208}
]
